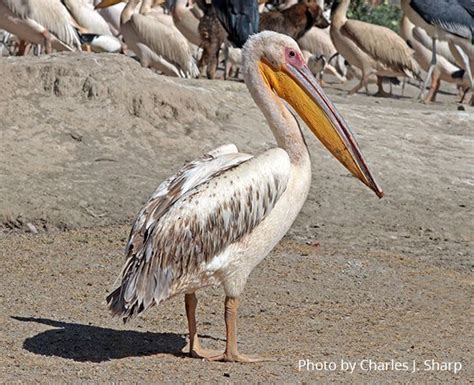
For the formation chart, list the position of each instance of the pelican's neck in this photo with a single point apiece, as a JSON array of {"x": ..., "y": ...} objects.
[
  {"x": 128, "y": 11},
  {"x": 283, "y": 124},
  {"x": 339, "y": 16},
  {"x": 406, "y": 28}
]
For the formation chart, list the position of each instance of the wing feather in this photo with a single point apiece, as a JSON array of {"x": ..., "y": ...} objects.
[
  {"x": 189, "y": 221},
  {"x": 53, "y": 15},
  {"x": 383, "y": 45},
  {"x": 166, "y": 41}
]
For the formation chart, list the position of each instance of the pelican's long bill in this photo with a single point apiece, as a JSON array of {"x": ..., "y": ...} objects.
[{"x": 295, "y": 83}]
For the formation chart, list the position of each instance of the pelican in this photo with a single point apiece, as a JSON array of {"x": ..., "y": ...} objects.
[
  {"x": 318, "y": 43},
  {"x": 87, "y": 17},
  {"x": 186, "y": 16},
  {"x": 443, "y": 70},
  {"x": 45, "y": 22},
  {"x": 216, "y": 219},
  {"x": 112, "y": 16},
  {"x": 371, "y": 48},
  {"x": 156, "y": 42}
]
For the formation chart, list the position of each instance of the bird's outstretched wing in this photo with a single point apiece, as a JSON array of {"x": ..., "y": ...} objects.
[
  {"x": 239, "y": 18},
  {"x": 191, "y": 219},
  {"x": 383, "y": 45}
]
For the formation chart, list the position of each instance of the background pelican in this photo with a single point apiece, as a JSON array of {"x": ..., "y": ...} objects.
[
  {"x": 371, "y": 48},
  {"x": 215, "y": 220},
  {"x": 155, "y": 41},
  {"x": 45, "y": 22},
  {"x": 186, "y": 16},
  {"x": 87, "y": 17}
]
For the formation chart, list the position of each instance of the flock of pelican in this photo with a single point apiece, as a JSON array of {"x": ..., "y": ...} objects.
[
  {"x": 435, "y": 37},
  {"x": 216, "y": 219}
]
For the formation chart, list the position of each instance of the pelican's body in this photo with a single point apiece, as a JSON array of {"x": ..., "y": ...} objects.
[
  {"x": 112, "y": 16},
  {"x": 45, "y": 22},
  {"x": 87, "y": 17},
  {"x": 153, "y": 38},
  {"x": 215, "y": 220},
  {"x": 318, "y": 42},
  {"x": 371, "y": 48},
  {"x": 186, "y": 16}
]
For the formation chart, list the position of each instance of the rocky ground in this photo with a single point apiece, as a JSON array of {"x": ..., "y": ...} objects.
[{"x": 84, "y": 140}]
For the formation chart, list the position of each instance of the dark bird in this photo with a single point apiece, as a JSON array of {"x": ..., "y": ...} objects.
[
  {"x": 294, "y": 21},
  {"x": 212, "y": 36},
  {"x": 239, "y": 18},
  {"x": 451, "y": 20}
]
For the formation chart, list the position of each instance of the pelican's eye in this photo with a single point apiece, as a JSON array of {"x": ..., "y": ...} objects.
[{"x": 292, "y": 53}]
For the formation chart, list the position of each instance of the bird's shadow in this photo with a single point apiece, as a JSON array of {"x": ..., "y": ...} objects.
[{"x": 86, "y": 343}]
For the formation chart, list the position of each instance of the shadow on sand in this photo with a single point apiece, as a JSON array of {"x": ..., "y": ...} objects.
[{"x": 85, "y": 343}]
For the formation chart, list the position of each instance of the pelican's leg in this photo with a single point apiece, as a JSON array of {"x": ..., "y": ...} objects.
[
  {"x": 467, "y": 66},
  {"x": 430, "y": 70},
  {"x": 231, "y": 353},
  {"x": 435, "y": 83},
  {"x": 195, "y": 349},
  {"x": 48, "y": 48},
  {"x": 357, "y": 87},
  {"x": 381, "y": 92}
]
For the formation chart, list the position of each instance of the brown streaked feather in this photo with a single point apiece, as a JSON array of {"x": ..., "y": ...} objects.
[
  {"x": 383, "y": 45},
  {"x": 192, "y": 218}
]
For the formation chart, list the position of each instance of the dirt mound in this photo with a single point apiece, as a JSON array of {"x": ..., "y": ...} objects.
[{"x": 86, "y": 138}]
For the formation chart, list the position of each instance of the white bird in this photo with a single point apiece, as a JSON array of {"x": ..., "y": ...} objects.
[
  {"x": 155, "y": 41},
  {"x": 87, "y": 17},
  {"x": 186, "y": 15},
  {"x": 215, "y": 220},
  {"x": 373, "y": 49},
  {"x": 112, "y": 15},
  {"x": 318, "y": 42},
  {"x": 45, "y": 22}
]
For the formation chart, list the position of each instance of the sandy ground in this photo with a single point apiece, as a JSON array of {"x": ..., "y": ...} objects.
[{"x": 85, "y": 139}]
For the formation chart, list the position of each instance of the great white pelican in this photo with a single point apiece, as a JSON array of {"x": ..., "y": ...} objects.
[
  {"x": 374, "y": 49},
  {"x": 216, "y": 219}
]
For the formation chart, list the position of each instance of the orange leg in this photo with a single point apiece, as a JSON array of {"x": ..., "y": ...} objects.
[
  {"x": 435, "y": 83},
  {"x": 195, "y": 349},
  {"x": 231, "y": 353}
]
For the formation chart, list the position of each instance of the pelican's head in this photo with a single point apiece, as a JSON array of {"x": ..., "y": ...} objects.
[{"x": 278, "y": 61}]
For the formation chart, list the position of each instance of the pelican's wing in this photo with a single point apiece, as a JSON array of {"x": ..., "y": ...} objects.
[
  {"x": 53, "y": 15},
  {"x": 18, "y": 8},
  {"x": 166, "y": 41},
  {"x": 383, "y": 45},
  {"x": 191, "y": 219}
]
